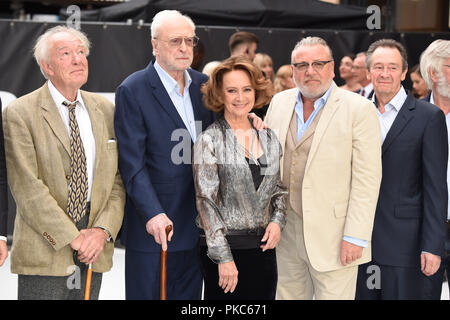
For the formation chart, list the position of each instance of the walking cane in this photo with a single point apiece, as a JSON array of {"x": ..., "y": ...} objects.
[
  {"x": 87, "y": 289},
  {"x": 164, "y": 266}
]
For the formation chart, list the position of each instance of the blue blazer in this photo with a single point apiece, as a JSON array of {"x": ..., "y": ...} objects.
[
  {"x": 412, "y": 205},
  {"x": 145, "y": 119}
]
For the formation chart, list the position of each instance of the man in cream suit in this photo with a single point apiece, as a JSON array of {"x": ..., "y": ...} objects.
[
  {"x": 62, "y": 170},
  {"x": 332, "y": 166}
]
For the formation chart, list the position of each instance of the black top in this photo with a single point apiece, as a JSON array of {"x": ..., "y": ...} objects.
[{"x": 257, "y": 173}]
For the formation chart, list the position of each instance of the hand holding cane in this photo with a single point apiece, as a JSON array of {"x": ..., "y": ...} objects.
[{"x": 164, "y": 266}]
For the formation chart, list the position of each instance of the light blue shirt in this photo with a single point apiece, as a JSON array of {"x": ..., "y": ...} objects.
[
  {"x": 318, "y": 104},
  {"x": 301, "y": 128},
  {"x": 183, "y": 102}
]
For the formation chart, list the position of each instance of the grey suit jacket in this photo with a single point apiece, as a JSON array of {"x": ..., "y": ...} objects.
[{"x": 225, "y": 192}]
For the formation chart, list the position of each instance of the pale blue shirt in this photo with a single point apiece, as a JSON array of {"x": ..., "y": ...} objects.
[
  {"x": 318, "y": 104},
  {"x": 447, "y": 120},
  {"x": 182, "y": 102},
  {"x": 301, "y": 128}
]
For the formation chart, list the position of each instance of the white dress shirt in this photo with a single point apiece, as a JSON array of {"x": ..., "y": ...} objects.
[
  {"x": 391, "y": 109},
  {"x": 85, "y": 126},
  {"x": 367, "y": 90}
]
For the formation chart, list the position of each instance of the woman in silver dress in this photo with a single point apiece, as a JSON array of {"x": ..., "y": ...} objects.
[{"x": 240, "y": 198}]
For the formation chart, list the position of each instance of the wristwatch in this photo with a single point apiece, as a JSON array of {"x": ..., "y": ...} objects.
[{"x": 107, "y": 233}]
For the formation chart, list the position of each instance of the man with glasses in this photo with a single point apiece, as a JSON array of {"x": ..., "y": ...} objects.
[
  {"x": 332, "y": 166},
  {"x": 409, "y": 228},
  {"x": 159, "y": 113}
]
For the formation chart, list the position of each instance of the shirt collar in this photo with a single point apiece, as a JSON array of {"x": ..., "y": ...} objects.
[
  {"x": 320, "y": 101},
  {"x": 431, "y": 97},
  {"x": 397, "y": 101},
  {"x": 169, "y": 83},
  {"x": 58, "y": 98},
  {"x": 368, "y": 88}
]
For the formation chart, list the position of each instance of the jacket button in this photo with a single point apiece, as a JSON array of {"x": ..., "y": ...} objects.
[{"x": 68, "y": 177}]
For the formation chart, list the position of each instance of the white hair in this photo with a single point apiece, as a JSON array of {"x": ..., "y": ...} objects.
[
  {"x": 44, "y": 42},
  {"x": 165, "y": 16},
  {"x": 311, "y": 41},
  {"x": 432, "y": 59},
  {"x": 209, "y": 67}
]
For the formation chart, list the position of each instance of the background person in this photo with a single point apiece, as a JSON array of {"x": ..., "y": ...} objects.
[
  {"x": 346, "y": 74},
  {"x": 283, "y": 79},
  {"x": 264, "y": 62},
  {"x": 420, "y": 89},
  {"x": 243, "y": 43}
]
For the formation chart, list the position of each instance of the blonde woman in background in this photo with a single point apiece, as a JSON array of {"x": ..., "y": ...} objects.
[
  {"x": 283, "y": 79},
  {"x": 264, "y": 63}
]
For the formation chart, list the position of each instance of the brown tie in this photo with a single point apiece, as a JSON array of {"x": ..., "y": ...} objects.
[
  {"x": 78, "y": 186},
  {"x": 363, "y": 93}
]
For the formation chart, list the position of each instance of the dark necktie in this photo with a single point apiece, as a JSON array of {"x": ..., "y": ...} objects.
[
  {"x": 78, "y": 186},
  {"x": 363, "y": 93}
]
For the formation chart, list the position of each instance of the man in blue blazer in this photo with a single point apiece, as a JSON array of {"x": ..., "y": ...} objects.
[
  {"x": 159, "y": 112},
  {"x": 409, "y": 227}
]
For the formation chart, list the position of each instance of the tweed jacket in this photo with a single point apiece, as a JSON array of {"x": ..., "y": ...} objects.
[
  {"x": 225, "y": 193},
  {"x": 38, "y": 161}
]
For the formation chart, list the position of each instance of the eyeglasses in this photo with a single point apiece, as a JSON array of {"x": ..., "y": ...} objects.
[
  {"x": 316, "y": 65},
  {"x": 176, "y": 42}
]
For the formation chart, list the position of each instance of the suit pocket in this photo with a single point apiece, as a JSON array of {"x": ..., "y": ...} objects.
[
  {"x": 340, "y": 209},
  {"x": 408, "y": 212},
  {"x": 111, "y": 145}
]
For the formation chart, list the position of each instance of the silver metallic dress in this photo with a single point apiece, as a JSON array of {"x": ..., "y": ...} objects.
[{"x": 225, "y": 193}]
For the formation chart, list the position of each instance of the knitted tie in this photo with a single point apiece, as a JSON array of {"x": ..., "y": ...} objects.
[{"x": 78, "y": 187}]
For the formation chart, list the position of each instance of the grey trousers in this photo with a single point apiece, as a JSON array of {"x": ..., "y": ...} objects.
[{"x": 34, "y": 287}]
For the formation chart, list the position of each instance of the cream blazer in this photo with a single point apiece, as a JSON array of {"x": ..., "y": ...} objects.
[
  {"x": 342, "y": 175},
  {"x": 38, "y": 163}
]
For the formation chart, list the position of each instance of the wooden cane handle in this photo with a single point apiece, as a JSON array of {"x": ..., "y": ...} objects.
[
  {"x": 164, "y": 267},
  {"x": 87, "y": 289},
  {"x": 168, "y": 229}
]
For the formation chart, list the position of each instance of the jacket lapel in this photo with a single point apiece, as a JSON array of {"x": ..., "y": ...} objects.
[
  {"x": 333, "y": 103},
  {"x": 53, "y": 118},
  {"x": 161, "y": 95},
  {"x": 402, "y": 119}
]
